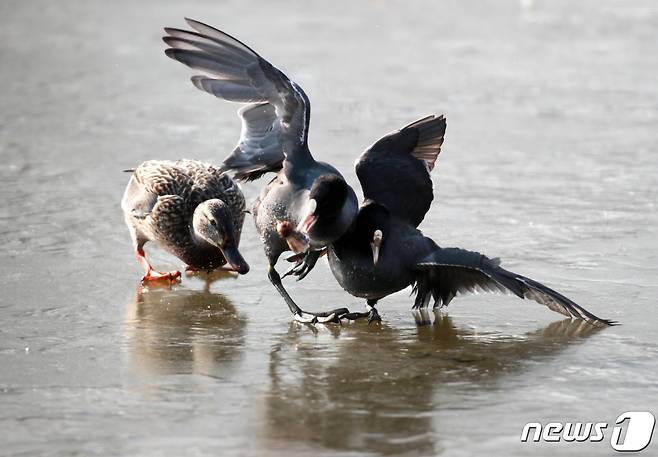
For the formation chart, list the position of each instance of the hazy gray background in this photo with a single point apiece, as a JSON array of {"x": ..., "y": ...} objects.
[{"x": 549, "y": 162}]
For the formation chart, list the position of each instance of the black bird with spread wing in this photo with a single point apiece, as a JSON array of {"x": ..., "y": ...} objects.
[
  {"x": 384, "y": 251},
  {"x": 305, "y": 193}
]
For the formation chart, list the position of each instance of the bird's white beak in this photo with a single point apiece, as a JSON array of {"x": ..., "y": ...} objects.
[
  {"x": 375, "y": 244},
  {"x": 309, "y": 217}
]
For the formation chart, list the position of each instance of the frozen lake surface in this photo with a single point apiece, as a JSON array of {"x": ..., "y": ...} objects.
[{"x": 550, "y": 162}]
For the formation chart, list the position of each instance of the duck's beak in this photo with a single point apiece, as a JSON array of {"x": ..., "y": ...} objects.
[
  {"x": 309, "y": 217},
  {"x": 375, "y": 244},
  {"x": 234, "y": 258}
]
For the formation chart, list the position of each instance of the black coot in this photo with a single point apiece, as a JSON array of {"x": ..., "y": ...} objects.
[
  {"x": 384, "y": 252},
  {"x": 275, "y": 119}
]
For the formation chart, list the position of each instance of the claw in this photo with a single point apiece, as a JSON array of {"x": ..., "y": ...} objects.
[
  {"x": 300, "y": 269},
  {"x": 295, "y": 269},
  {"x": 305, "y": 262},
  {"x": 301, "y": 274},
  {"x": 296, "y": 257},
  {"x": 373, "y": 316},
  {"x": 351, "y": 316}
]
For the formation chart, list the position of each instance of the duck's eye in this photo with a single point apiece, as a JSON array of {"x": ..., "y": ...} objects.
[{"x": 213, "y": 222}]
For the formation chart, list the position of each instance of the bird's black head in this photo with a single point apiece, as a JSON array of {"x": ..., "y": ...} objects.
[
  {"x": 329, "y": 191},
  {"x": 327, "y": 199},
  {"x": 371, "y": 228}
]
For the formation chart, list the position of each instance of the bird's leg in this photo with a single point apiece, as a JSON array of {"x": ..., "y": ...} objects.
[
  {"x": 298, "y": 314},
  {"x": 371, "y": 313},
  {"x": 149, "y": 273}
]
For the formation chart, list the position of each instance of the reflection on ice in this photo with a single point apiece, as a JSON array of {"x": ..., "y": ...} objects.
[
  {"x": 183, "y": 331},
  {"x": 380, "y": 388}
]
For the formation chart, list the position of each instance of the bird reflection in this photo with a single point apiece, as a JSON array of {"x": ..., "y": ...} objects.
[
  {"x": 183, "y": 331},
  {"x": 210, "y": 277},
  {"x": 377, "y": 387}
]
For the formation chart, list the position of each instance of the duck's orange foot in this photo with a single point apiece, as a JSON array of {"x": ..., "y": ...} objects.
[{"x": 153, "y": 275}]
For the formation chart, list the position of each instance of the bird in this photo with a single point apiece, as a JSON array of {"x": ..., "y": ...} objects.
[
  {"x": 190, "y": 209},
  {"x": 310, "y": 195},
  {"x": 384, "y": 251}
]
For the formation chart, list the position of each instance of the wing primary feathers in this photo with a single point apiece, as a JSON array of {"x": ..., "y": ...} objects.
[
  {"x": 233, "y": 71},
  {"x": 394, "y": 171},
  {"x": 431, "y": 131},
  {"x": 218, "y": 35},
  {"x": 181, "y": 39},
  {"x": 232, "y": 91}
]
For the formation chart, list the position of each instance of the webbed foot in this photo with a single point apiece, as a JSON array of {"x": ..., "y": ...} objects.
[{"x": 153, "y": 275}]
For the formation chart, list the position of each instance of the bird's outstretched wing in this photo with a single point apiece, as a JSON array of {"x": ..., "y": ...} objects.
[
  {"x": 395, "y": 170},
  {"x": 276, "y": 119},
  {"x": 447, "y": 272}
]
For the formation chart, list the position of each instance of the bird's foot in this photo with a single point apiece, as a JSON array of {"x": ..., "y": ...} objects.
[
  {"x": 298, "y": 260},
  {"x": 372, "y": 316},
  {"x": 305, "y": 262},
  {"x": 153, "y": 275},
  {"x": 300, "y": 269},
  {"x": 325, "y": 317}
]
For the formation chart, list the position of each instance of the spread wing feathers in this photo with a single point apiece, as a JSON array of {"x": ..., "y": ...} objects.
[
  {"x": 259, "y": 149},
  {"x": 395, "y": 170},
  {"x": 431, "y": 131},
  {"x": 451, "y": 271},
  {"x": 234, "y": 72}
]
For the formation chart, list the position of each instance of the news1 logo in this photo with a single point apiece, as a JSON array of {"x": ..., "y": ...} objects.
[{"x": 631, "y": 433}]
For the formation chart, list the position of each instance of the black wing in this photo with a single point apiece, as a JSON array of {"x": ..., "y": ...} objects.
[
  {"x": 395, "y": 170},
  {"x": 277, "y": 114},
  {"x": 451, "y": 271}
]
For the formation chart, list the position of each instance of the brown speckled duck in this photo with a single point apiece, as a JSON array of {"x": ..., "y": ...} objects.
[{"x": 190, "y": 209}]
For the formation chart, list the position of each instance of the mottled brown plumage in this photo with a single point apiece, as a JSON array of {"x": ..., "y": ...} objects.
[{"x": 190, "y": 209}]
